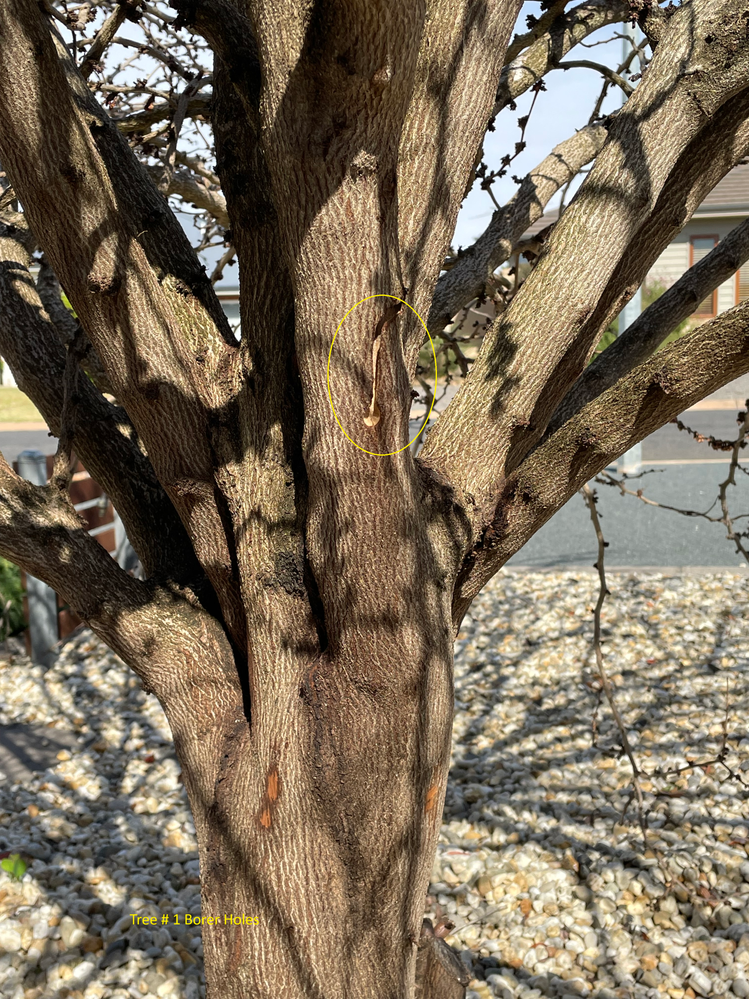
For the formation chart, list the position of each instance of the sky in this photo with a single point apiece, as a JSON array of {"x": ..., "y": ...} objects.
[{"x": 564, "y": 108}]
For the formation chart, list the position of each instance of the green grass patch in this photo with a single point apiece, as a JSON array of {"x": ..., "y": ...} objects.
[
  {"x": 12, "y": 619},
  {"x": 15, "y": 407}
]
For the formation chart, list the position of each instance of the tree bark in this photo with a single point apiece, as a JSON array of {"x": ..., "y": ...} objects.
[
  {"x": 304, "y": 584},
  {"x": 323, "y": 831}
]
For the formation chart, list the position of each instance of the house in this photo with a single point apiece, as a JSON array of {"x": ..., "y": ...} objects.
[{"x": 725, "y": 207}]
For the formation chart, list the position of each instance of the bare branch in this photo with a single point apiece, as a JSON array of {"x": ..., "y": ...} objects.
[
  {"x": 103, "y": 437},
  {"x": 226, "y": 259},
  {"x": 229, "y": 34},
  {"x": 184, "y": 184},
  {"x": 735, "y": 447},
  {"x": 636, "y": 51},
  {"x": 730, "y": 480},
  {"x": 540, "y": 27},
  {"x": 156, "y": 53},
  {"x": 605, "y": 71},
  {"x": 104, "y": 36},
  {"x": 539, "y": 346},
  {"x": 468, "y": 276},
  {"x": 141, "y": 121},
  {"x": 564, "y": 33},
  {"x": 133, "y": 279},
  {"x": 146, "y": 623},
  {"x": 179, "y": 116},
  {"x": 603, "y": 591},
  {"x": 194, "y": 164},
  {"x": 41, "y": 532}
]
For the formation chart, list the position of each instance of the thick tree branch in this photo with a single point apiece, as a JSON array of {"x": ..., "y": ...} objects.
[
  {"x": 538, "y": 348},
  {"x": 229, "y": 33},
  {"x": 68, "y": 327},
  {"x": 198, "y": 106},
  {"x": 444, "y": 127},
  {"x": 41, "y": 532},
  {"x": 337, "y": 186},
  {"x": 543, "y": 55},
  {"x": 467, "y": 278},
  {"x": 637, "y": 405},
  {"x": 129, "y": 272},
  {"x": 103, "y": 437},
  {"x": 270, "y": 411},
  {"x": 652, "y": 327},
  {"x": 147, "y": 624},
  {"x": 707, "y": 159},
  {"x": 653, "y": 21},
  {"x": 105, "y": 35}
]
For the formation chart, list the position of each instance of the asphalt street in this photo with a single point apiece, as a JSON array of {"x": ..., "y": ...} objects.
[
  {"x": 642, "y": 536},
  {"x": 12, "y": 442}
]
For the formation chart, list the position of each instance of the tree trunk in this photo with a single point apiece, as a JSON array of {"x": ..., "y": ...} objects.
[
  {"x": 303, "y": 584},
  {"x": 318, "y": 831}
]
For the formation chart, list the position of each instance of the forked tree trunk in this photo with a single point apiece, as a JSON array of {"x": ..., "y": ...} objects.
[
  {"x": 302, "y": 590},
  {"x": 321, "y": 826}
]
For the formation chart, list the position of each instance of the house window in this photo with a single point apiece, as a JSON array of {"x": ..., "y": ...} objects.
[
  {"x": 742, "y": 283},
  {"x": 699, "y": 247}
]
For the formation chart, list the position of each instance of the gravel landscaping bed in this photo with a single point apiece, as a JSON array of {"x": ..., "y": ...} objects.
[{"x": 541, "y": 864}]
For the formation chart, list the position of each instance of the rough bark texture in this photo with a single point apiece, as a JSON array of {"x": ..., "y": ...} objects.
[
  {"x": 684, "y": 88},
  {"x": 303, "y": 591},
  {"x": 564, "y": 31},
  {"x": 652, "y": 326},
  {"x": 468, "y": 277}
]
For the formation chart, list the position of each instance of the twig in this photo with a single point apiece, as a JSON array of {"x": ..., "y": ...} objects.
[
  {"x": 489, "y": 176},
  {"x": 607, "y": 73},
  {"x": 714, "y": 442},
  {"x": 731, "y": 481},
  {"x": 156, "y": 53},
  {"x": 179, "y": 116},
  {"x": 606, "y": 478},
  {"x": 637, "y": 50},
  {"x": 590, "y": 499},
  {"x": 225, "y": 260}
]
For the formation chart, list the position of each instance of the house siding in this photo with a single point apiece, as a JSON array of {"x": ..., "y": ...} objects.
[
  {"x": 727, "y": 294},
  {"x": 674, "y": 260},
  {"x": 671, "y": 264}
]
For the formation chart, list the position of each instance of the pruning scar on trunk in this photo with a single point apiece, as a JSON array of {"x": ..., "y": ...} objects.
[{"x": 373, "y": 413}]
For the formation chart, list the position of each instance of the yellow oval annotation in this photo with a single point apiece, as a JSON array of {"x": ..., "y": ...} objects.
[{"x": 381, "y": 454}]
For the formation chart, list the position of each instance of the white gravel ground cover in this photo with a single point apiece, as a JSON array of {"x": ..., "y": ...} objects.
[{"x": 541, "y": 863}]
